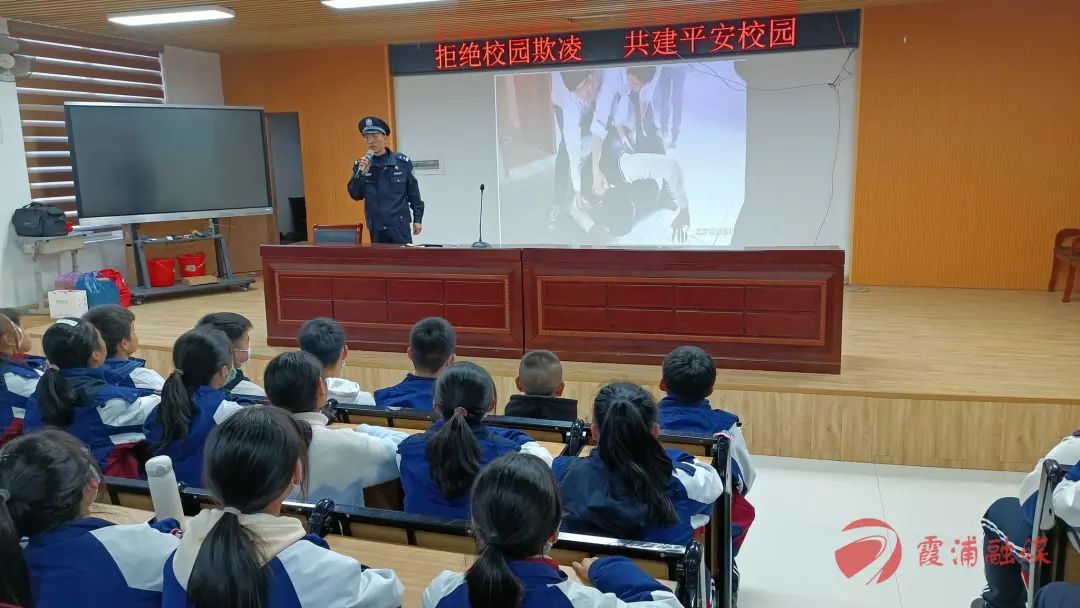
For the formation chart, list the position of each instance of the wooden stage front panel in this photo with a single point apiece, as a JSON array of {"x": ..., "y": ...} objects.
[
  {"x": 765, "y": 309},
  {"x": 751, "y": 309},
  {"x": 377, "y": 294}
]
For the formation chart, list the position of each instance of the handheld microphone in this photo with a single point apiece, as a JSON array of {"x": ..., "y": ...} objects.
[
  {"x": 480, "y": 243},
  {"x": 369, "y": 157}
]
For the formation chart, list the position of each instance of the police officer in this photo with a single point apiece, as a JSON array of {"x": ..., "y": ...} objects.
[{"x": 385, "y": 181}]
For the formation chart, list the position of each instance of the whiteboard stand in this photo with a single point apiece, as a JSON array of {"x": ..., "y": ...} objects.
[{"x": 142, "y": 291}]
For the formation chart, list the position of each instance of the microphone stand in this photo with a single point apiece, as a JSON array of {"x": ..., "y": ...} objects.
[{"x": 481, "y": 243}]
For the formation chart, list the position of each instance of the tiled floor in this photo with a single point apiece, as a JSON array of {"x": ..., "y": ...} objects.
[{"x": 803, "y": 505}]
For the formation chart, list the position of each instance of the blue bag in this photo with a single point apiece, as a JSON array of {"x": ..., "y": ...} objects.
[{"x": 99, "y": 292}]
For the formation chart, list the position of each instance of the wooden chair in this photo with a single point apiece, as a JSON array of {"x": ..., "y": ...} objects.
[
  {"x": 351, "y": 234},
  {"x": 1066, "y": 256}
]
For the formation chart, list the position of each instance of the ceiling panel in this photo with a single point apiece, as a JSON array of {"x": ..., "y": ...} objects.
[{"x": 289, "y": 24}]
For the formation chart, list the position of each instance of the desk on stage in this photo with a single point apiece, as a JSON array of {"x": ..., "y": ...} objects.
[{"x": 773, "y": 309}]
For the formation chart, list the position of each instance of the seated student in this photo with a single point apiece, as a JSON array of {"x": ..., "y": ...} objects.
[
  {"x": 630, "y": 487},
  {"x": 431, "y": 348},
  {"x": 19, "y": 374},
  {"x": 238, "y": 329},
  {"x": 192, "y": 402},
  {"x": 343, "y": 461},
  {"x": 540, "y": 378},
  {"x": 1058, "y": 595},
  {"x": 117, "y": 327},
  {"x": 439, "y": 465},
  {"x": 689, "y": 377},
  {"x": 77, "y": 395},
  {"x": 69, "y": 559},
  {"x": 246, "y": 555},
  {"x": 325, "y": 339},
  {"x": 1010, "y": 521},
  {"x": 515, "y": 519}
]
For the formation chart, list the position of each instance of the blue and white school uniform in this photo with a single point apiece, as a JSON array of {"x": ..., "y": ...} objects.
[
  {"x": 347, "y": 392},
  {"x": 422, "y": 496},
  {"x": 212, "y": 407},
  {"x": 238, "y": 386},
  {"x": 134, "y": 373},
  {"x": 413, "y": 392},
  {"x": 19, "y": 377},
  {"x": 617, "y": 582},
  {"x": 700, "y": 418},
  {"x": 596, "y": 502},
  {"x": 303, "y": 571},
  {"x": 344, "y": 461},
  {"x": 108, "y": 418},
  {"x": 91, "y": 563}
]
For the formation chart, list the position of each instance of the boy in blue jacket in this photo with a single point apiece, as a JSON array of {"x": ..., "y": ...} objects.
[
  {"x": 431, "y": 348},
  {"x": 116, "y": 325},
  {"x": 689, "y": 377}
]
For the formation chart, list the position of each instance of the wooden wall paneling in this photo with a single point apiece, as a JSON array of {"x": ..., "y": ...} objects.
[{"x": 967, "y": 150}]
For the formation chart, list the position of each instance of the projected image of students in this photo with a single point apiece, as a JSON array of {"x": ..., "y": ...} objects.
[
  {"x": 601, "y": 143},
  {"x": 632, "y": 176}
]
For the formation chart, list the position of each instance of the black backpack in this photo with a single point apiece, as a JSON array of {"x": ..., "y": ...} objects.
[{"x": 39, "y": 220}]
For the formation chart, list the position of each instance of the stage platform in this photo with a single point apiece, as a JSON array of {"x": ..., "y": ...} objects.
[{"x": 931, "y": 377}]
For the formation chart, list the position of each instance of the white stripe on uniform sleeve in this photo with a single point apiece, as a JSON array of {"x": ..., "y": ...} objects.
[
  {"x": 535, "y": 449},
  {"x": 139, "y": 552},
  {"x": 118, "y": 412},
  {"x": 704, "y": 485},
  {"x": 144, "y": 377},
  {"x": 741, "y": 455},
  {"x": 581, "y": 596},
  {"x": 1067, "y": 502},
  {"x": 226, "y": 409},
  {"x": 442, "y": 586},
  {"x": 327, "y": 579},
  {"x": 23, "y": 387}
]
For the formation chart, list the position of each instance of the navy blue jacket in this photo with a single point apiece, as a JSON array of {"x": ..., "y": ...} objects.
[
  {"x": 699, "y": 418},
  {"x": 389, "y": 192},
  {"x": 413, "y": 392},
  {"x": 16, "y": 391},
  {"x": 421, "y": 494},
  {"x": 546, "y": 586},
  {"x": 108, "y": 418},
  {"x": 91, "y": 563},
  {"x": 598, "y": 503},
  {"x": 212, "y": 407}
]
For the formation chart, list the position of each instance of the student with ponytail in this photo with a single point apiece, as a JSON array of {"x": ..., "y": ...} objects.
[
  {"x": 192, "y": 402},
  {"x": 52, "y": 553},
  {"x": 19, "y": 375},
  {"x": 515, "y": 519},
  {"x": 246, "y": 555},
  {"x": 630, "y": 487},
  {"x": 438, "y": 466},
  {"x": 77, "y": 394}
]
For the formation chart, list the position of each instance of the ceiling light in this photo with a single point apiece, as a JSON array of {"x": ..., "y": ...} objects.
[
  {"x": 179, "y": 14},
  {"x": 371, "y": 3}
]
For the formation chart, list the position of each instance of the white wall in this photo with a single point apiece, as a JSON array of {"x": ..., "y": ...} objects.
[
  {"x": 192, "y": 77},
  {"x": 16, "y": 271},
  {"x": 791, "y": 146}
]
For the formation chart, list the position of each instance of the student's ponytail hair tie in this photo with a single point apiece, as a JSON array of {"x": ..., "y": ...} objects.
[
  {"x": 232, "y": 510},
  {"x": 460, "y": 410},
  {"x": 494, "y": 541}
]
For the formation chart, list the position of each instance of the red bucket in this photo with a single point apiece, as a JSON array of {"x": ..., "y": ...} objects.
[
  {"x": 162, "y": 272},
  {"x": 192, "y": 264}
]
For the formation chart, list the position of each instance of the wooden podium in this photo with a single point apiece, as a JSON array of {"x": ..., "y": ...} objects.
[{"x": 774, "y": 309}]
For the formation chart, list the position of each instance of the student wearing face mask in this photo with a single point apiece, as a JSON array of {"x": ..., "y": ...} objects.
[{"x": 237, "y": 328}]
